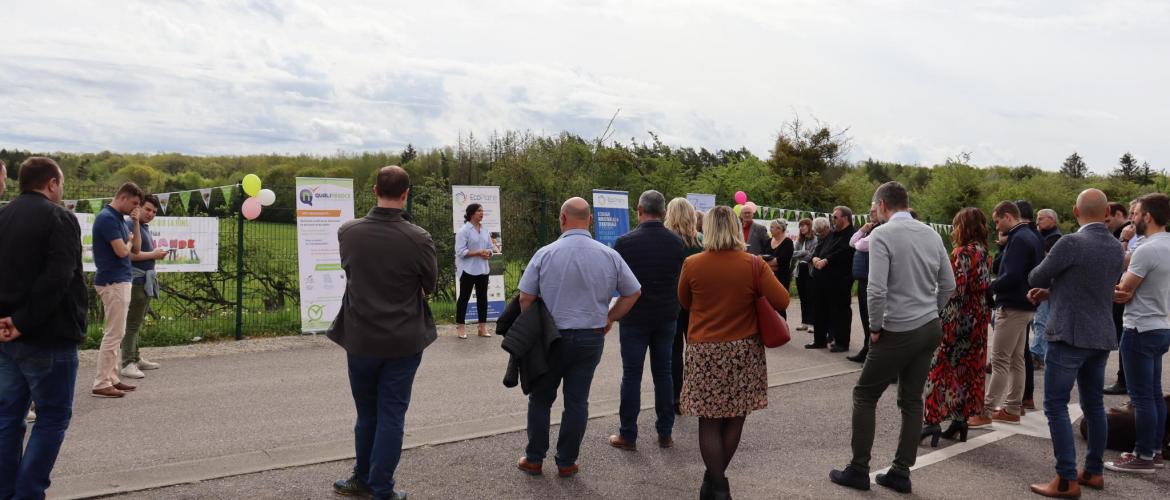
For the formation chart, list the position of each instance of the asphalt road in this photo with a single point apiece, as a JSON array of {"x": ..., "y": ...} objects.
[{"x": 289, "y": 409}]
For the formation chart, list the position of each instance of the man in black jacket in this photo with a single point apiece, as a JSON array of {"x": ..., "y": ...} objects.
[
  {"x": 1022, "y": 253},
  {"x": 655, "y": 255},
  {"x": 833, "y": 268},
  {"x": 43, "y": 304}
]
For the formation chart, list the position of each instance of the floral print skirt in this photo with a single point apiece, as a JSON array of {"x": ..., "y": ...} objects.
[{"x": 724, "y": 379}]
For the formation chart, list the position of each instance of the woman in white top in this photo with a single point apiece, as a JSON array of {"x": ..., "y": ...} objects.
[{"x": 473, "y": 250}]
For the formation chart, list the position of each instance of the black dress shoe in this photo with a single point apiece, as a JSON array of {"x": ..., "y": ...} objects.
[
  {"x": 851, "y": 478},
  {"x": 398, "y": 495},
  {"x": 352, "y": 487},
  {"x": 837, "y": 348},
  {"x": 1116, "y": 389},
  {"x": 894, "y": 481},
  {"x": 859, "y": 357},
  {"x": 815, "y": 345}
]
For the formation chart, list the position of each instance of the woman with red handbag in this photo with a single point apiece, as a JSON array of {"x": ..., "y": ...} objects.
[{"x": 726, "y": 376}]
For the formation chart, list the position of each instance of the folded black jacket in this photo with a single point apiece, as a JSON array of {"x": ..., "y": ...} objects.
[{"x": 529, "y": 339}]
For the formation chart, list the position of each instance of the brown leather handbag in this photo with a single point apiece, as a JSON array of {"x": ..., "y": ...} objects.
[{"x": 773, "y": 328}]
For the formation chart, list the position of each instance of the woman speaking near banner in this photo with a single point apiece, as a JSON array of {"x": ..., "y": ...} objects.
[{"x": 473, "y": 250}]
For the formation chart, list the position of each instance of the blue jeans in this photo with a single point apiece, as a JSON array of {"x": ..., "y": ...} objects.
[
  {"x": 1142, "y": 354},
  {"x": 573, "y": 360},
  {"x": 1039, "y": 326},
  {"x": 381, "y": 392},
  {"x": 45, "y": 377},
  {"x": 634, "y": 341},
  {"x": 1064, "y": 366}
]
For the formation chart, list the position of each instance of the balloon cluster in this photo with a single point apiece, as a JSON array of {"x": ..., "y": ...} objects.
[
  {"x": 741, "y": 201},
  {"x": 256, "y": 197}
]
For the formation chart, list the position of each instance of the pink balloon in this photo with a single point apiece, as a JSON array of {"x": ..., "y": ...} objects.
[
  {"x": 251, "y": 208},
  {"x": 740, "y": 197}
]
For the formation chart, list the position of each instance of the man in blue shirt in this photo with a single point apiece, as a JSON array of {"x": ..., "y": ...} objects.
[
  {"x": 144, "y": 287},
  {"x": 112, "y": 248},
  {"x": 575, "y": 277}
]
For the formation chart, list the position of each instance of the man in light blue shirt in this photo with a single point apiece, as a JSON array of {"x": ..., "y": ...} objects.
[{"x": 575, "y": 277}]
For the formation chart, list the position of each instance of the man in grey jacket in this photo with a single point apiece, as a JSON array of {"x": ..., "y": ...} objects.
[
  {"x": 384, "y": 325},
  {"x": 905, "y": 331},
  {"x": 1078, "y": 277}
]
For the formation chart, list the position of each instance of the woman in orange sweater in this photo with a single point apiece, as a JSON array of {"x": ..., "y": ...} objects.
[{"x": 725, "y": 372}]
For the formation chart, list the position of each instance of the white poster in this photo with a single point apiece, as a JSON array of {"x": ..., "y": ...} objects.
[
  {"x": 323, "y": 205},
  {"x": 192, "y": 243},
  {"x": 701, "y": 202},
  {"x": 489, "y": 198}
]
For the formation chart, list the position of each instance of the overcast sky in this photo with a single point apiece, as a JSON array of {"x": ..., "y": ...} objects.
[{"x": 914, "y": 81}]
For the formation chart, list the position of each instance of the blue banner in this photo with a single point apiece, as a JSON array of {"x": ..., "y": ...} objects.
[{"x": 611, "y": 215}]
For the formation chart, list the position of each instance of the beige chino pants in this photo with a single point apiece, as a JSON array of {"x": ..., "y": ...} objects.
[
  {"x": 1005, "y": 387},
  {"x": 116, "y": 302}
]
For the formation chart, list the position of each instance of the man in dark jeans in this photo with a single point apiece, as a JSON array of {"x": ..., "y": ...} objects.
[
  {"x": 575, "y": 277},
  {"x": 833, "y": 263},
  {"x": 384, "y": 325},
  {"x": 43, "y": 304},
  {"x": 655, "y": 255}
]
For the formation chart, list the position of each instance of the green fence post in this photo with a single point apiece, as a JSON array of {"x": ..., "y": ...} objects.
[{"x": 240, "y": 274}]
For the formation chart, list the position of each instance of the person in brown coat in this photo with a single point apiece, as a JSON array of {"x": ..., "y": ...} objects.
[{"x": 725, "y": 374}]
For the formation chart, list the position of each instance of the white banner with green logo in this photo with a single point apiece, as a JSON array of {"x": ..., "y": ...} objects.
[{"x": 323, "y": 205}]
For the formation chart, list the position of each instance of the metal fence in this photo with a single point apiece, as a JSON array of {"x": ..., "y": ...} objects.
[{"x": 259, "y": 295}]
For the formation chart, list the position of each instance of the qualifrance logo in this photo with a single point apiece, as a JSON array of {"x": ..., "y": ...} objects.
[{"x": 306, "y": 196}]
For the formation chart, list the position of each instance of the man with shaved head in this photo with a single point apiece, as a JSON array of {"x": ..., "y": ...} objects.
[
  {"x": 575, "y": 277},
  {"x": 1078, "y": 277}
]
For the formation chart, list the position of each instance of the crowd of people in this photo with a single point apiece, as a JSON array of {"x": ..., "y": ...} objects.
[{"x": 684, "y": 288}]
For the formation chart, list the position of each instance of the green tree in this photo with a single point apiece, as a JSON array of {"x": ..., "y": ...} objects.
[
  {"x": 1074, "y": 167},
  {"x": 1127, "y": 168},
  {"x": 807, "y": 160},
  {"x": 145, "y": 176}
]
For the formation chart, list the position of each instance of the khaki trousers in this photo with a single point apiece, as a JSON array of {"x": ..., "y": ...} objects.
[
  {"x": 1005, "y": 386},
  {"x": 116, "y": 302}
]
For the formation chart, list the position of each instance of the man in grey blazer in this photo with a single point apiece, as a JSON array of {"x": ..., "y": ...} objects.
[
  {"x": 755, "y": 235},
  {"x": 1077, "y": 278}
]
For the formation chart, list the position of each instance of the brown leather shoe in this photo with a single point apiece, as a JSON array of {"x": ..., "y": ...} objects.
[
  {"x": 1097, "y": 482},
  {"x": 1058, "y": 488},
  {"x": 619, "y": 442},
  {"x": 107, "y": 392},
  {"x": 529, "y": 467},
  {"x": 665, "y": 442},
  {"x": 978, "y": 421},
  {"x": 1029, "y": 404},
  {"x": 569, "y": 471},
  {"x": 124, "y": 387},
  {"x": 1002, "y": 415}
]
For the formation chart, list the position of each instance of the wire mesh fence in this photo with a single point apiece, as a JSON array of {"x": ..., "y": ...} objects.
[{"x": 259, "y": 294}]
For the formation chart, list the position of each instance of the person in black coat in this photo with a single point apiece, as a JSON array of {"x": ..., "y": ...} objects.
[
  {"x": 778, "y": 254},
  {"x": 43, "y": 305},
  {"x": 833, "y": 265}
]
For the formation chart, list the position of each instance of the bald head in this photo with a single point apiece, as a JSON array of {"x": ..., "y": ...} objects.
[
  {"x": 1092, "y": 206},
  {"x": 575, "y": 214}
]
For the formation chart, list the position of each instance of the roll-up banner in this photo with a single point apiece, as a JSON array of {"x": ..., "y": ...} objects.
[
  {"x": 489, "y": 198},
  {"x": 323, "y": 205},
  {"x": 611, "y": 215}
]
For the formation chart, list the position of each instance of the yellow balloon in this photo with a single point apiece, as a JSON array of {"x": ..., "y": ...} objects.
[
  {"x": 251, "y": 184},
  {"x": 737, "y": 209}
]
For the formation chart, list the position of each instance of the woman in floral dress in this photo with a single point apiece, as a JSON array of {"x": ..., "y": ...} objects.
[{"x": 954, "y": 389}]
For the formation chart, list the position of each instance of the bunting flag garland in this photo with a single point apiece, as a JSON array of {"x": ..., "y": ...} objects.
[
  {"x": 205, "y": 195},
  {"x": 164, "y": 199},
  {"x": 185, "y": 197},
  {"x": 71, "y": 205},
  {"x": 227, "y": 194}
]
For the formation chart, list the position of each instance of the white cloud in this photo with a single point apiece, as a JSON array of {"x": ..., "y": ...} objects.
[{"x": 915, "y": 81}]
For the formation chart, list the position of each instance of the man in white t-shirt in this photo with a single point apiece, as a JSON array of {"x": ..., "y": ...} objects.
[{"x": 1145, "y": 288}]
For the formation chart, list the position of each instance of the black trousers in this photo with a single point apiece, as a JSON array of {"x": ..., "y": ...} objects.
[
  {"x": 680, "y": 344},
  {"x": 466, "y": 282},
  {"x": 808, "y": 296},
  {"x": 863, "y": 311},
  {"x": 1118, "y": 314},
  {"x": 834, "y": 310}
]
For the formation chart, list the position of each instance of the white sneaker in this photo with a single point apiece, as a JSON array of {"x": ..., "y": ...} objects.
[
  {"x": 143, "y": 364},
  {"x": 131, "y": 370}
]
